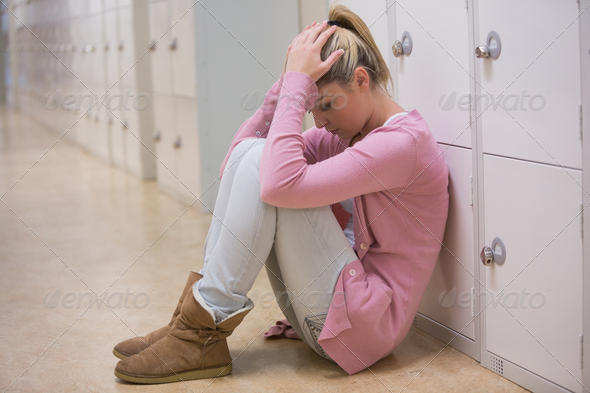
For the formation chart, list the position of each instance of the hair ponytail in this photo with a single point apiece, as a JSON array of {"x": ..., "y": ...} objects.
[{"x": 360, "y": 50}]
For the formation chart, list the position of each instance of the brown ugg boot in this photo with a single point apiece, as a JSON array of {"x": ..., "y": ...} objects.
[
  {"x": 137, "y": 344},
  {"x": 194, "y": 348}
]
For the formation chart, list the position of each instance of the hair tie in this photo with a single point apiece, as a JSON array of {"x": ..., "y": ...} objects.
[{"x": 334, "y": 23}]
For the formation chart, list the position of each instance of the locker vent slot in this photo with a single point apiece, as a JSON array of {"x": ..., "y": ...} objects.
[
  {"x": 415, "y": 322},
  {"x": 497, "y": 365}
]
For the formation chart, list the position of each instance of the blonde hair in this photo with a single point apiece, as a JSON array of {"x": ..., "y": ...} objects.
[{"x": 360, "y": 50}]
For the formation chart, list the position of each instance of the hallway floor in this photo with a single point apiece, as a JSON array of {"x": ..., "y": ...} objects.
[{"x": 70, "y": 224}]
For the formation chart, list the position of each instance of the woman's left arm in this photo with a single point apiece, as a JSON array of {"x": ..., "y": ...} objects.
[{"x": 380, "y": 161}]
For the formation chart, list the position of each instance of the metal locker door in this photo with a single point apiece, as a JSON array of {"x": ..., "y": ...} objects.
[
  {"x": 117, "y": 129},
  {"x": 433, "y": 73},
  {"x": 445, "y": 310},
  {"x": 430, "y": 63},
  {"x": 187, "y": 154},
  {"x": 164, "y": 146},
  {"x": 159, "y": 46},
  {"x": 533, "y": 300},
  {"x": 182, "y": 54},
  {"x": 528, "y": 93},
  {"x": 132, "y": 135},
  {"x": 532, "y": 89},
  {"x": 112, "y": 38},
  {"x": 127, "y": 57}
]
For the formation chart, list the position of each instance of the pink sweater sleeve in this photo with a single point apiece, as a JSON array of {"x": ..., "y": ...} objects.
[
  {"x": 380, "y": 161},
  {"x": 256, "y": 122}
]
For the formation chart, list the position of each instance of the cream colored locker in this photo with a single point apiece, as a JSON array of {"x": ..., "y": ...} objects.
[
  {"x": 164, "y": 147},
  {"x": 112, "y": 55},
  {"x": 159, "y": 15},
  {"x": 434, "y": 76},
  {"x": 127, "y": 57},
  {"x": 118, "y": 131},
  {"x": 533, "y": 301},
  {"x": 447, "y": 300},
  {"x": 183, "y": 48},
  {"x": 531, "y": 192},
  {"x": 536, "y": 79},
  {"x": 133, "y": 145},
  {"x": 446, "y": 310},
  {"x": 187, "y": 150}
]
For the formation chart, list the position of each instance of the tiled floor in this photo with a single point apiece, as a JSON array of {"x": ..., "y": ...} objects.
[{"x": 70, "y": 224}]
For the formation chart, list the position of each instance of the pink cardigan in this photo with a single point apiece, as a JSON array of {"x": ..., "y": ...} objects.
[{"x": 398, "y": 178}]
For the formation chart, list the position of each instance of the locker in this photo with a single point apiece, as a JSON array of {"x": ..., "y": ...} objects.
[
  {"x": 536, "y": 78},
  {"x": 183, "y": 56},
  {"x": 99, "y": 53},
  {"x": 133, "y": 146},
  {"x": 112, "y": 55},
  {"x": 117, "y": 134},
  {"x": 160, "y": 52},
  {"x": 435, "y": 75},
  {"x": 447, "y": 299},
  {"x": 127, "y": 71},
  {"x": 187, "y": 157},
  {"x": 164, "y": 148},
  {"x": 535, "y": 210},
  {"x": 526, "y": 148}
]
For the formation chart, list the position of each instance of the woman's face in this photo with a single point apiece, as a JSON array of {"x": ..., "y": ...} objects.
[{"x": 340, "y": 111}]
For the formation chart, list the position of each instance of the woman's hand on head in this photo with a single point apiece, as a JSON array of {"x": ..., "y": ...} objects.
[{"x": 303, "y": 55}]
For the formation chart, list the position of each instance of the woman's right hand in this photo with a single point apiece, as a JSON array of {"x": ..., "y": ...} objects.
[{"x": 289, "y": 49}]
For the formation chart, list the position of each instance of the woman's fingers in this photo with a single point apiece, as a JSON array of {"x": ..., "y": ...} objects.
[
  {"x": 313, "y": 33},
  {"x": 323, "y": 37},
  {"x": 329, "y": 62}
]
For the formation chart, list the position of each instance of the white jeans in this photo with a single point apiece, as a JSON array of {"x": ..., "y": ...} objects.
[{"x": 304, "y": 250}]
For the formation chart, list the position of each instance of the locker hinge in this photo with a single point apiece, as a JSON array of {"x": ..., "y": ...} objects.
[
  {"x": 582, "y": 220},
  {"x": 473, "y": 300},
  {"x": 471, "y": 190},
  {"x": 581, "y": 127},
  {"x": 467, "y": 5},
  {"x": 581, "y": 351}
]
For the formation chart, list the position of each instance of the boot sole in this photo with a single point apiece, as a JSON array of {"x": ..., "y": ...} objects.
[
  {"x": 119, "y": 354},
  {"x": 178, "y": 377}
]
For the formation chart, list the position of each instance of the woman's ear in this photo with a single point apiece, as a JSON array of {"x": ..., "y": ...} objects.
[{"x": 361, "y": 78}]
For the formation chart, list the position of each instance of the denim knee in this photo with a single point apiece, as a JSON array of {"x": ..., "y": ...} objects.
[
  {"x": 252, "y": 155},
  {"x": 247, "y": 144}
]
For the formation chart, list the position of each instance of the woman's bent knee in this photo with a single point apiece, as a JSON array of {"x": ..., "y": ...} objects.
[{"x": 244, "y": 147}]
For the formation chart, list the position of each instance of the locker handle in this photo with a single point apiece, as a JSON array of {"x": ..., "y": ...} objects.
[
  {"x": 403, "y": 47},
  {"x": 172, "y": 45},
  {"x": 491, "y": 49},
  {"x": 177, "y": 143},
  {"x": 489, "y": 255}
]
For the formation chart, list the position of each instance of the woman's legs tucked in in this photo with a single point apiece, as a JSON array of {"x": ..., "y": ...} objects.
[
  {"x": 309, "y": 249},
  {"x": 241, "y": 236}
]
